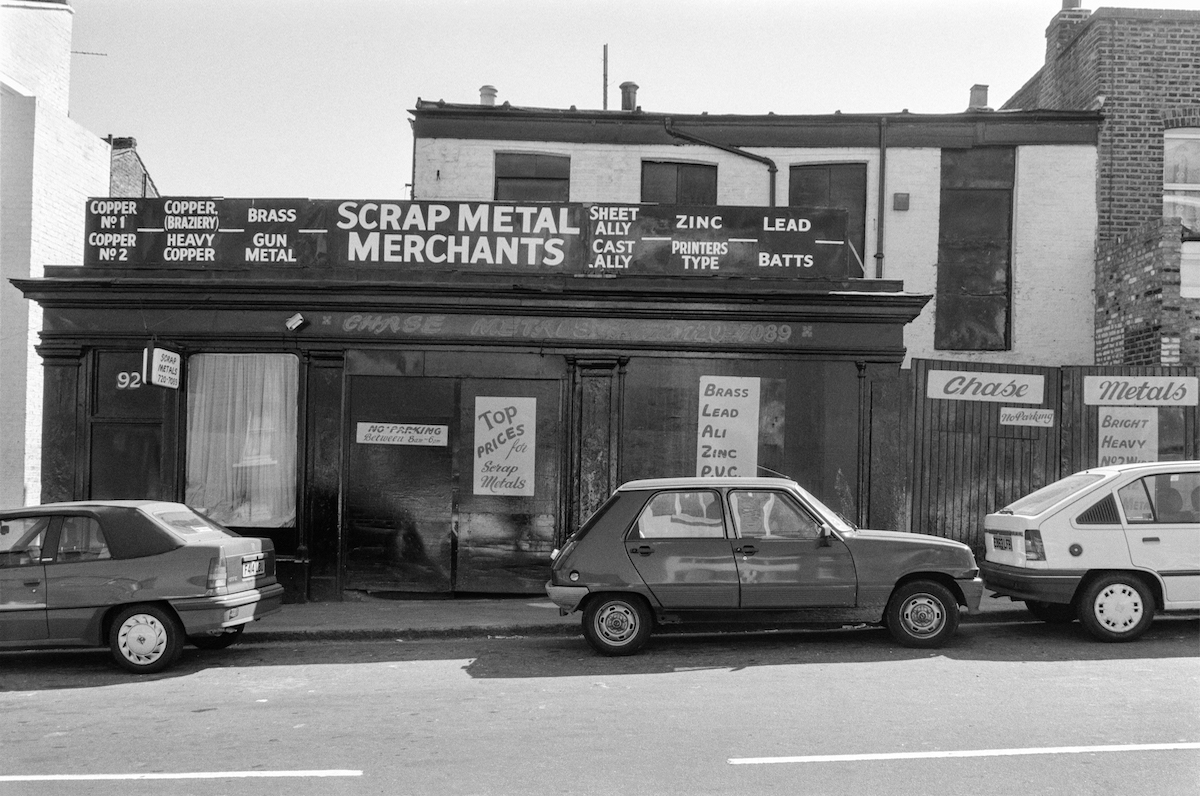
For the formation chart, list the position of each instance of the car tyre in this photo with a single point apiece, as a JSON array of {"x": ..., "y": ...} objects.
[
  {"x": 1116, "y": 607},
  {"x": 145, "y": 639},
  {"x": 617, "y": 624},
  {"x": 922, "y": 613},
  {"x": 1052, "y": 613},
  {"x": 228, "y": 638}
]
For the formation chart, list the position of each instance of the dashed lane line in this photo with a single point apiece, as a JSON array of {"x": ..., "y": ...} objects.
[
  {"x": 1045, "y": 750},
  {"x": 182, "y": 775}
]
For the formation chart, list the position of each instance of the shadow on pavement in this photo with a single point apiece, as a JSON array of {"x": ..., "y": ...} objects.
[{"x": 501, "y": 657}]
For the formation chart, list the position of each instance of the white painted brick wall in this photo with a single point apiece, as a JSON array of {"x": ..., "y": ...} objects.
[
  {"x": 51, "y": 165},
  {"x": 35, "y": 39}
]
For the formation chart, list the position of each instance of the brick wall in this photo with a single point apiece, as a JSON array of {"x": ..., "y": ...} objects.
[
  {"x": 36, "y": 41},
  {"x": 128, "y": 175},
  {"x": 1140, "y": 317},
  {"x": 1142, "y": 68}
]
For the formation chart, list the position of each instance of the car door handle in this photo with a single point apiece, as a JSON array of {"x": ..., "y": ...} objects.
[
  {"x": 746, "y": 550},
  {"x": 33, "y": 584},
  {"x": 1151, "y": 539},
  {"x": 642, "y": 550}
]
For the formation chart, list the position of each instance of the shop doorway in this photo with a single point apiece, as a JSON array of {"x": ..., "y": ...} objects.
[
  {"x": 452, "y": 484},
  {"x": 399, "y": 485}
]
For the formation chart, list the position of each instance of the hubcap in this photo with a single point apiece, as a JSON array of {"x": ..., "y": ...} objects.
[
  {"x": 616, "y": 623},
  {"x": 1118, "y": 607},
  {"x": 922, "y": 615},
  {"x": 142, "y": 638}
]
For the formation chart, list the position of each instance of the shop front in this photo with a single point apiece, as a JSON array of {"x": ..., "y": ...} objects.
[{"x": 427, "y": 397}]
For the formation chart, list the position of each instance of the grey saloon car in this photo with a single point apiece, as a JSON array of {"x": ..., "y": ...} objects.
[
  {"x": 138, "y": 576},
  {"x": 752, "y": 550}
]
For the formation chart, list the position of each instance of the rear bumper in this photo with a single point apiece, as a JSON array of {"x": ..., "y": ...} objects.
[
  {"x": 567, "y": 598},
  {"x": 1039, "y": 585},
  {"x": 208, "y": 614}
]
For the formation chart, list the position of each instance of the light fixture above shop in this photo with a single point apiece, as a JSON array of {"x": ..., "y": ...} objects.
[{"x": 295, "y": 323}]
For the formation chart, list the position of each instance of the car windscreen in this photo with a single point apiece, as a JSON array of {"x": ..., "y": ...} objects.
[
  {"x": 189, "y": 525},
  {"x": 1050, "y": 494}
]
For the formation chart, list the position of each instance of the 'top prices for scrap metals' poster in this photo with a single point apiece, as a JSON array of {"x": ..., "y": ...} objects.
[{"x": 505, "y": 443}]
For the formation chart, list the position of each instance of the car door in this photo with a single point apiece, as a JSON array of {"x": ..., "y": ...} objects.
[
  {"x": 1162, "y": 530},
  {"x": 82, "y": 580},
  {"x": 23, "y": 578},
  {"x": 680, "y": 548},
  {"x": 783, "y": 560}
]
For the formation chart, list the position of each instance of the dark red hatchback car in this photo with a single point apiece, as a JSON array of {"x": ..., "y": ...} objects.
[
  {"x": 138, "y": 576},
  {"x": 752, "y": 550}
]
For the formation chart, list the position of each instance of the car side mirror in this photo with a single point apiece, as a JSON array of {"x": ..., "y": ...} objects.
[{"x": 823, "y": 536}]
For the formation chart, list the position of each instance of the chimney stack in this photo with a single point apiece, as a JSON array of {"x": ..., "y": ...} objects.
[
  {"x": 978, "y": 98},
  {"x": 629, "y": 96},
  {"x": 487, "y": 95}
]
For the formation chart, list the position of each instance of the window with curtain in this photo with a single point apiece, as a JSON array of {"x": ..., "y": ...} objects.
[
  {"x": 241, "y": 438},
  {"x": 1181, "y": 176}
]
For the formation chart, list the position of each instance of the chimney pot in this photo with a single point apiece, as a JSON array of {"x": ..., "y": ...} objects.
[
  {"x": 487, "y": 95},
  {"x": 629, "y": 96},
  {"x": 979, "y": 94}
]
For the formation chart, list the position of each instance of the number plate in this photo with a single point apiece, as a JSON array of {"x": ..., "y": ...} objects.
[
  {"x": 1001, "y": 542},
  {"x": 252, "y": 568}
]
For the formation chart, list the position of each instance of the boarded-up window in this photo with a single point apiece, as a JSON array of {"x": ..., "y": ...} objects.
[
  {"x": 841, "y": 185},
  {"x": 525, "y": 177},
  {"x": 679, "y": 183},
  {"x": 974, "y": 286}
]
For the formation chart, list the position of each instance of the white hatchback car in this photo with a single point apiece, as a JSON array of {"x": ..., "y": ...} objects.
[{"x": 1109, "y": 546}]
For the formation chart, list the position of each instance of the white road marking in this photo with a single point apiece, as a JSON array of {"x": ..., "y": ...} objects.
[
  {"x": 191, "y": 775},
  {"x": 1048, "y": 750}
]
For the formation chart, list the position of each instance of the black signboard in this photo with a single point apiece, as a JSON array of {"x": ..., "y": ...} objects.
[{"x": 572, "y": 238}]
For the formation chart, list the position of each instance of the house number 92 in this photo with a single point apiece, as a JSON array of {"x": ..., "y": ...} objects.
[{"x": 129, "y": 380}]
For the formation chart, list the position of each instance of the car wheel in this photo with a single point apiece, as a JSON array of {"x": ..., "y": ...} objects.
[
  {"x": 617, "y": 624},
  {"x": 922, "y": 613},
  {"x": 1116, "y": 607},
  {"x": 230, "y": 636},
  {"x": 1053, "y": 613},
  {"x": 145, "y": 639}
]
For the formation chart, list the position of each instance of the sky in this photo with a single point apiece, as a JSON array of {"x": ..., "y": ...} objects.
[{"x": 308, "y": 99}]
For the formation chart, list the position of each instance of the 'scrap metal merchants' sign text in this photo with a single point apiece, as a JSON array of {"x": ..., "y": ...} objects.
[{"x": 612, "y": 240}]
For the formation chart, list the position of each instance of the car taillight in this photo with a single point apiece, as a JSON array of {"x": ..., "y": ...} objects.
[
  {"x": 218, "y": 576},
  {"x": 1034, "y": 550}
]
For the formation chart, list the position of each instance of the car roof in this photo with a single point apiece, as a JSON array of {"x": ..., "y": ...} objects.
[
  {"x": 94, "y": 505},
  {"x": 696, "y": 482},
  {"x": 1149, "y": 467}
]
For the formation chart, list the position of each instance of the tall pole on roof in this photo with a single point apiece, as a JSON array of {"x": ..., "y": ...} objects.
[{"x": 606, "y": 77}]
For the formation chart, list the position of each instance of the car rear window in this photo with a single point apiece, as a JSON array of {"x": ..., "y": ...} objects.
[
  {"x": 189, "y": 524},
  {"x": 1050, "y": 494}
]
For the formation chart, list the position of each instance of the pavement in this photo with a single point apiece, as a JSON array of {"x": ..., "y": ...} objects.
[{"x": 364, "y": 616}]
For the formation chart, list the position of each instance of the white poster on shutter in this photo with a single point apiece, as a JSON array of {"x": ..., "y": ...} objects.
[
  {"x": 505, "y": 442},
  {"x": 727, "y": 429},
  {"x": 1128, "y": 434}
]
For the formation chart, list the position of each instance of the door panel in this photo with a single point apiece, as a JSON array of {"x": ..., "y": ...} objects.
[
  {"x": 782, "y": 561},
  {"x": 399, "y": 495},
  {"x": 504, "y": 539},
  {"x": 23, "y": 579}
]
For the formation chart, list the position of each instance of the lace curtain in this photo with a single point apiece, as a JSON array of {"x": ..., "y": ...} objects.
[{"x": 241, "y": 438}]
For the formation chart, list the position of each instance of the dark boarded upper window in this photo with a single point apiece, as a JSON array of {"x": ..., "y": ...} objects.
[
  {"x": 679, "y": 183},
  {"x": 841, "y": 185},
  {"x": 526, "y": 177},
  {"x": 974, "y": 283}
]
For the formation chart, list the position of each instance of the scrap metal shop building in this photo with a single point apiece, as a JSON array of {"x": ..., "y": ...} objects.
[{"x": 426, "y": 395}]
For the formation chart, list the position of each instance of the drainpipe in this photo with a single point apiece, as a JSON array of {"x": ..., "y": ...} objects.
[
  {"x": 882, "y": 194},
  {"x": 772, "y": 169}
]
